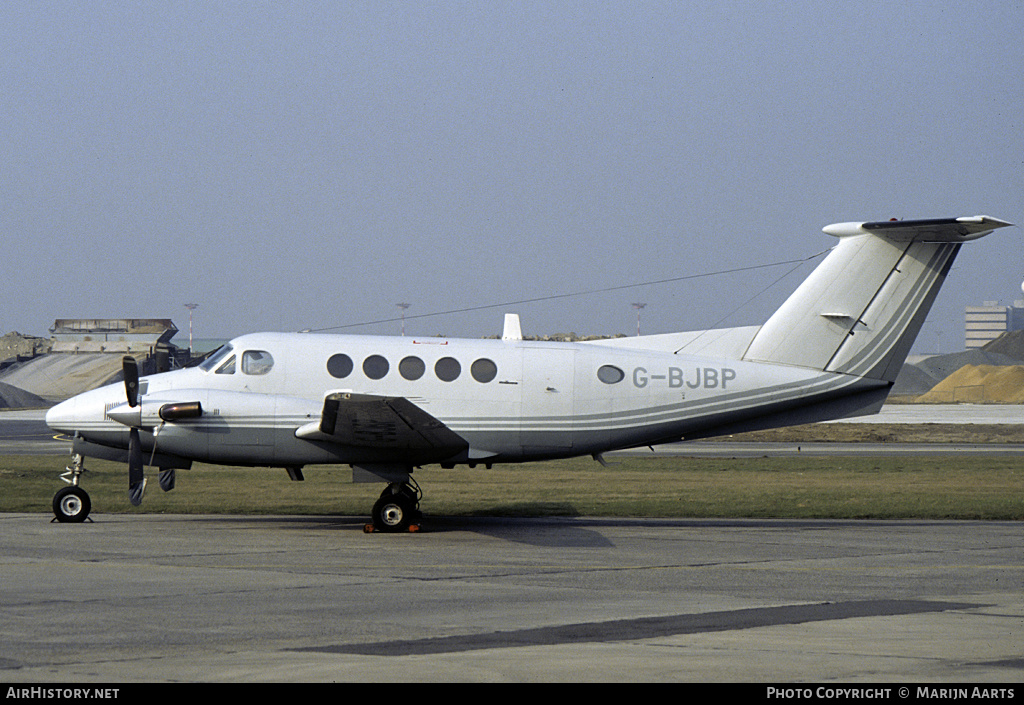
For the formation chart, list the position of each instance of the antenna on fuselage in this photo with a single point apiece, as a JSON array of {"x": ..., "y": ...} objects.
[{"x": 512, "y": 331}]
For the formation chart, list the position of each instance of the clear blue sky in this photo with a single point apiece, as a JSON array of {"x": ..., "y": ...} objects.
[{"x": 307, "y": 165}]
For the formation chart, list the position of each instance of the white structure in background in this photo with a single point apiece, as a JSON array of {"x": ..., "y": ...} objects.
[
  {"x": 985, "y": 323},
  {"x": 128, "y": 336}
]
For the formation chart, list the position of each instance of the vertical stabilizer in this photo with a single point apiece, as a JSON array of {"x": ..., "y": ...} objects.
[{"x": 859, "y": 312}]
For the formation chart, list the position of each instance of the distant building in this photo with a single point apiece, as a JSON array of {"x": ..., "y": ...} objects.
[
  {"x": 985, "y": 323},
  {"x": 143, "y": 338},
  {"x": 113, "y": 335}
]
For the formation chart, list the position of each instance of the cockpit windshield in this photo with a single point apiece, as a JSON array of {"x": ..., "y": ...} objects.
[{"x": 212, "y": 362}]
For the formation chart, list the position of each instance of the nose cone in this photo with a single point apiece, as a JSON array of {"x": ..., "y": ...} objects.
[
  {"x": 85, "y": 412},
  {"x": 64, "y": 416}
]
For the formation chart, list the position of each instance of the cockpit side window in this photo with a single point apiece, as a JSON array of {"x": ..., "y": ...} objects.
[
  {"x": 228, "y": 368},
  {"x": 256, "y": 362},
  {"x": 214, "y": 361}
]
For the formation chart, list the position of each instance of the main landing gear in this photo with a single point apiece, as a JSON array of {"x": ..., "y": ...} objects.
[
  {"x": 72, "y": 503},
  {"x": 397, "y": 510}
]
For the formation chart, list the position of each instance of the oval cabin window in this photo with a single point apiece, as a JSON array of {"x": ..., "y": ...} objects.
[
  {"x": 483, "y": 370},
  {"x": 376, "y": 367},
  {"x": 447, "y": 369},
  {"x": 609, "y": 374},
  {"x": 339, "y": 365},
  {"x": 411, "y": 368}
]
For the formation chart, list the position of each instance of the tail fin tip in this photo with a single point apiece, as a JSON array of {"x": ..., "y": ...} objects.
[{"x": 960, "y": 229}]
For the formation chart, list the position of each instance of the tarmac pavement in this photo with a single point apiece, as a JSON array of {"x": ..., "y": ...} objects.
[{"x": 150, "y": 598}]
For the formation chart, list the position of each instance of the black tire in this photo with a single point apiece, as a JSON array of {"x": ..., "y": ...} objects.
[
  {"x": 71, "y": 504},
  {"x": 393, "y": 513}
]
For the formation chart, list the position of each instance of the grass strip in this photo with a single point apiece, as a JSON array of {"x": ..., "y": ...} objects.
[{"x": 919, "y": 487}]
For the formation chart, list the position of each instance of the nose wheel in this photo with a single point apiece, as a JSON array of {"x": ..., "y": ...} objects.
[{"x": 72, "y": 504}]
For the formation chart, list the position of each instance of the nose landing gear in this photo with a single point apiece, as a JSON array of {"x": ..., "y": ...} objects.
[{"x": 72, "y": 504}]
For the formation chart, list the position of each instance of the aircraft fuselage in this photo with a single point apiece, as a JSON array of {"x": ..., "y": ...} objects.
[{"x": 510, "y": 400}]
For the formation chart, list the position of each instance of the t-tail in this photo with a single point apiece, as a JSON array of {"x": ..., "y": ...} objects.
[{"x": 859, "y": 312}]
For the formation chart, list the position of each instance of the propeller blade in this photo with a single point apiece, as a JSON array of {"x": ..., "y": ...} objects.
[
  {"x": 131, "y": 380},
  {"x": 167, "y": 479},
  {"x": 136, "y": 474},
  {"x": 166, "y": 474}
]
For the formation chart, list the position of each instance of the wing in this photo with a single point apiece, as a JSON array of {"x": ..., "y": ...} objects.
[{"x": 382, "y": 423}]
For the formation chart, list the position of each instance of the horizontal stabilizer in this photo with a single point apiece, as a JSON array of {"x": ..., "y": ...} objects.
[{"x": 935, "y": 230}]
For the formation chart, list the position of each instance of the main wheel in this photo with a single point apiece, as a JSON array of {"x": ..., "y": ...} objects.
[
  {"x": 393, "y": 512},
  {"x": 71, "y": 504}
]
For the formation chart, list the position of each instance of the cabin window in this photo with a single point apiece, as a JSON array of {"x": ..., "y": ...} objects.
[
  {"x": 376, "y": 367},
  {"x": 447, "y": 369},
  {"x": 483, "y": 370},
  {"x": 339, "y": 365},
  {"x": 228, "y": 368},
  {"x": 609, "y": 374},
  {"x": 411, "y": 368},
  {"x": 256, "y": 362},
  {"x": 216, "y": 358}
]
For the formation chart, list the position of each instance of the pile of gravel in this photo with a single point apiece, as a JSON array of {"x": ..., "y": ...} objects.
[
  {"x": 16, "y": 398},
  {"x": 1010, "y": 344}
]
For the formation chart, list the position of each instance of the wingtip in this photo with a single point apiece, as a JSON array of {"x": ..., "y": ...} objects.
[
  {"x": 986, "y": 220},
  {"x": 844, "y": 229}
]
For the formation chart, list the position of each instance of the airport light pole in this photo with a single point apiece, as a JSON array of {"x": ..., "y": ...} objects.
[
  {"x": 191, "y": 308},
  {"x": 403, "y": 307},
  {"x": 638, "y": 306}
]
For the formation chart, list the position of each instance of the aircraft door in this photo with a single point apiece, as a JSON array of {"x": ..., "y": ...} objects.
[
  {"x": 548, "y": 398},
  {"x": 252, "y": 416}
]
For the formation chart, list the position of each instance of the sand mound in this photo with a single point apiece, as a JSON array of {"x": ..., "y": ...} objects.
[
  {"x": 918, "y": 378},
  {"x": 980, "y": 384}
]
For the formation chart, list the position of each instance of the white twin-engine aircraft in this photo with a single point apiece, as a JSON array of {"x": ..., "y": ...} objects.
[{"x": 385, "y": 405}]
